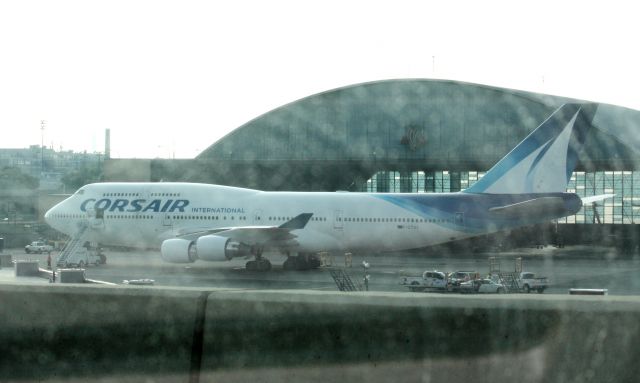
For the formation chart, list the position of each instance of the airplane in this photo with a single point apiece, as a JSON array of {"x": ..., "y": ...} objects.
[{"x": 190, "y": 221}]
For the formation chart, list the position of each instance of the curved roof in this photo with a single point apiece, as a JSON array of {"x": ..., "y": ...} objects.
[{"x": 414, "y": 120}]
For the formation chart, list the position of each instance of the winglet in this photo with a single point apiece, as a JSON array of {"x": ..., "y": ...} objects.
[{"x": 298, "y": 222}]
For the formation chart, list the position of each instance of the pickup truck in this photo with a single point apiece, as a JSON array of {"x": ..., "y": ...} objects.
[
  {"x": 455, "y": 278},
  {"x": 432, "y": 280},
  {"x": 38, "y": 247},
  {"x": 528, "y": 281}
]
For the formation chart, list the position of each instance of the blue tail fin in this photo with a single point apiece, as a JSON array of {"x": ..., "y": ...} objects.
[{"x": 544, "y": 160}]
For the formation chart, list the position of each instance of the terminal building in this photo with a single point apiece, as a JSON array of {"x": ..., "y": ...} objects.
[{"x": 408, "y": 135}]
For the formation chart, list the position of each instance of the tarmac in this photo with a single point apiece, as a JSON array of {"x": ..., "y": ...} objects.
[
  {"x": 8, "y": 276},
  {"x": 565, "y": 268},
  {"x": 216, "y": 321}
]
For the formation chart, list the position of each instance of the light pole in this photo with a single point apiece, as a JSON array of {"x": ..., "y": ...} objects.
[
  {"x": 365, "y": 269},
  {"x": 43, "y": 123}
]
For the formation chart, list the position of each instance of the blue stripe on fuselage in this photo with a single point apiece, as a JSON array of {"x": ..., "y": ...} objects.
[{"x": 475, "y": 208}]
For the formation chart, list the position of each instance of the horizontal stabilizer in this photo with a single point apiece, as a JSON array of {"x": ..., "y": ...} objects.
[
  {"x": 596, "y": 198},
  {"x": 537, "y": 207}
]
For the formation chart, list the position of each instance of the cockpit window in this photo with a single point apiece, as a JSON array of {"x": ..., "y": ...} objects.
[{"x": 80, "y": 192}]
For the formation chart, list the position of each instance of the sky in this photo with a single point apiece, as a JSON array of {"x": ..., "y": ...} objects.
[{"x": 169, "y": 78}]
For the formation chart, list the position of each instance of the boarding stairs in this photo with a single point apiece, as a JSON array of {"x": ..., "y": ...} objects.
[
  {"x": 72, "y": 247},
  {"x": 510, "y": 282},
  {"x": 508, "y": 279},
  {"x": 343, "y": 280}
]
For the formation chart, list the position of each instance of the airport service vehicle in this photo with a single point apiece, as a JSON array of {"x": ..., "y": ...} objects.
[
  {"x": 528, "y": 281},
  {"x": 482, "y": 286},
  {"x": 190, "y": 222},
  {"x": 84, "y": 255},
  {"x": 430, "y": 280},
  {"x": 38, "y": 247},
  {"x": 455, "y": 278}
]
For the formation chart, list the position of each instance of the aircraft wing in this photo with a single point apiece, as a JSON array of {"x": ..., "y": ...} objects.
[{"x": 254, "y": 234}]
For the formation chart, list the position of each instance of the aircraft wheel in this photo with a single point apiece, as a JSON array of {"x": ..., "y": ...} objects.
[
  {"x": 526, "y": 289},
  {"x": 314, "y": 262},
  {"x": 301, "y": 263},
  {"x": 289, "y": 264},
  {"x": 251, "y": 265},
  {"x": 307, "y": 262},
  {"x": 265, "y": 265}
]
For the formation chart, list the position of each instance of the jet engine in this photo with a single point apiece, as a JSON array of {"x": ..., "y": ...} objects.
[
  {"x": 178, "y": 250},
  {"x": 217, "y": 248},
  {"x": 208, "y": 248}
]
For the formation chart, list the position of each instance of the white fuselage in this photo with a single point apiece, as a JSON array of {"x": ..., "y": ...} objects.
[{"x": 145, "y": 214}]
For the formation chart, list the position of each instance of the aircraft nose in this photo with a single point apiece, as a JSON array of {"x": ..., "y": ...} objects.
[{"x": 48, "y": 217}]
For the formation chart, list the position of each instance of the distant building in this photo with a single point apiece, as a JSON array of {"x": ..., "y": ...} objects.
[
  {"x": 48, "y": 165},
  {"x": 20, "y": 204}
]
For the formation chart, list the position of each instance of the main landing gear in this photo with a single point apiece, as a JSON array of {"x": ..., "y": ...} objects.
[
  {"x": 259, "y": 264},
  {"x": 303, "y": 261}
]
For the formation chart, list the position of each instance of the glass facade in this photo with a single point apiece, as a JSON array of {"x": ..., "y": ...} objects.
[
  {"x": 624, "y": 208},
  {"x": 443, "y": 181}
]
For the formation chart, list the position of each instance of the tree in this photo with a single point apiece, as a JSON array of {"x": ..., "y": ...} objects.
[
  {"x": 12, "y": 178},
  {"x": 80, "y": 177}
]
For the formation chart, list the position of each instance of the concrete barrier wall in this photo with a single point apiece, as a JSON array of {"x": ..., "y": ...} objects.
[
  {"x": 91, "y": 331},
  {"x": 159, "y": 334},
  {"x": 421, "y": 337}
]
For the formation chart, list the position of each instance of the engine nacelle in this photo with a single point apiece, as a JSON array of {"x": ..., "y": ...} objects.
[
  {"x": 215, "y": 248},
  {"x": 178, "y": 250}
]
